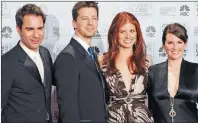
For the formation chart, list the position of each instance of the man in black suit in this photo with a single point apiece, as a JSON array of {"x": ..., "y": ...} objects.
[
  {"x": 26, "y": 72},
  {"x": 80, "y": 92}
]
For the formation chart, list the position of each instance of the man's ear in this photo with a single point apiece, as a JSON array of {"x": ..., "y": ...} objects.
[
  {"x": 74, "y": 24},
  {"x": 163, "y": 46},
  {"x": 18, "y": 29}
]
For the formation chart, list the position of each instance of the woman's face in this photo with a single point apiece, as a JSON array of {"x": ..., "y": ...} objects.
[
  {"x": 127, "y": 35},
  {"x": 174, "y": 47}
]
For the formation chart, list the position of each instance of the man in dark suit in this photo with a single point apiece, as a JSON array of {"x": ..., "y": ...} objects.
[
  {"x": 26, "y": 72},
  {"x": 79, "y": 89}
]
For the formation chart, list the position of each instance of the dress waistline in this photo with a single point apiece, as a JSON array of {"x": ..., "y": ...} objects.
[{"x": 129, "y": 99}]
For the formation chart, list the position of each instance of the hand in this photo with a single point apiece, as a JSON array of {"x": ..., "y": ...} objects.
[{"x": 101, "y": 63}]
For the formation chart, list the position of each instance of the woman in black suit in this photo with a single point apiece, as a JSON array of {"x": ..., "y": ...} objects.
[{"x": 173, "y": 84}]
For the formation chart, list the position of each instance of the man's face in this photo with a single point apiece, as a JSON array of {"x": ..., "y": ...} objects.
[
  {"x": 32, "y": 31},
  {"x": 86, "y": 23}
]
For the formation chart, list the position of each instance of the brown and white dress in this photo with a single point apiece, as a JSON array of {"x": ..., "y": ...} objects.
[{"x": 127, "y": 106}]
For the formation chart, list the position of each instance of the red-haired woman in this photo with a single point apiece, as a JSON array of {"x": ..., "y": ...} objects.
[{"x": 125, "y": 71}]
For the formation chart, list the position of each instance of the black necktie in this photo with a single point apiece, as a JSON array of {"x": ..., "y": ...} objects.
[{"x": 91, "y": 53}]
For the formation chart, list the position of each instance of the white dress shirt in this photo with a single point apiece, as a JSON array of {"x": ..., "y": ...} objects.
[
  {"x": 35, "y": 56},
  {"x": 83, "y": 43}
]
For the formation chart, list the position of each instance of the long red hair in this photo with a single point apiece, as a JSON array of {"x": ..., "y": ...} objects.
[{"x": 137, "y": 60}]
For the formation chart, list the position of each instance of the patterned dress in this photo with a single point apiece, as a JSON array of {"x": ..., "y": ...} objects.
[{"x": 127, "y": 106}]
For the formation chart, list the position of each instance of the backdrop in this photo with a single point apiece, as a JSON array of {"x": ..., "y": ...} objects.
[{"x": 153, "y": 17}]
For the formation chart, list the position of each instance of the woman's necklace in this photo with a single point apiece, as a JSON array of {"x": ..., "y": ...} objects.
[
  {"x": 173, "y": 78},
  {"x": 172, "y": 112}
]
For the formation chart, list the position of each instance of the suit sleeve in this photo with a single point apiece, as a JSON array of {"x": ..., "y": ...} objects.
[
  {"x": 66, "y": 79},
  {"x": 6, "y": 83}
]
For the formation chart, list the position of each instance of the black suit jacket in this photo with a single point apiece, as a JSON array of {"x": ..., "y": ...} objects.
[
  {"x": 79, "y": 89},
  {"x": 185, "y": 99},
  {"x": 24, "y": 97}
]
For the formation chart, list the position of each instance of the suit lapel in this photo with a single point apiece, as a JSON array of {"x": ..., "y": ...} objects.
[
  {"x": 28, "y": 63},
  {"x": 84, "y": 55},
  {"x": 185, "y": 78},
  {"x": 181, "y": 79},
  {"x": 42, "y": 54},
  {"x": 163, "y": 80},
  {"x": 32, "y": 68}
]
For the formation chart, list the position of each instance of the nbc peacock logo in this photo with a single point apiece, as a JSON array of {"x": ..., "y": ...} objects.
[
  {"x": 184, "y": 10},
  {"x": 161, "y": 52},
  {"x": 150, "y": 31},
  {"x": 97, "y": 35},
  {"x": 6, "y": 32}
]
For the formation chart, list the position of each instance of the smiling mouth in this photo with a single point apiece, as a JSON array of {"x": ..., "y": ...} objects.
[
  {"x": 35, "y": 41},
  {"x": 128, "y": 40},
  {"x": 90, "y": 29},
  {"x": 175, "y": 52}
]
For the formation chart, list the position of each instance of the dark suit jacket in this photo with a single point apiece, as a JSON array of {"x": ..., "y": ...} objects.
[
  {"x": 79, "y": 89},
  {"x": 186, "y": 96},
  {"x": 24, "y": 97}
]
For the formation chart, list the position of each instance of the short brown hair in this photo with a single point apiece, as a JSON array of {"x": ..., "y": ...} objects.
[
  {"x": 26, "y": 10},
  {"x": 83, "y": 4},
  {"x": 176, "y": 29}
]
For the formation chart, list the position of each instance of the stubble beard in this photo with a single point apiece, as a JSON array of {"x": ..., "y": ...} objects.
[{"x": 89, "y": 35}]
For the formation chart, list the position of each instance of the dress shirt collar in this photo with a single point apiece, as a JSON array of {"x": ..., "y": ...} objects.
[
  {"x": 30, "y": 53},
  {"x": 83, "y": 43}
]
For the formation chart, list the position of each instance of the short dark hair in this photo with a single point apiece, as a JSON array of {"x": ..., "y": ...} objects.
[
  {"x": 83, "y": 4},
  {"x": 176, "y": 29},
  {"x": 26, "y": 10}
]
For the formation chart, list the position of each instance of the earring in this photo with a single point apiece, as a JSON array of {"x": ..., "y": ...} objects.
[{"x": 117, "y": 46}]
